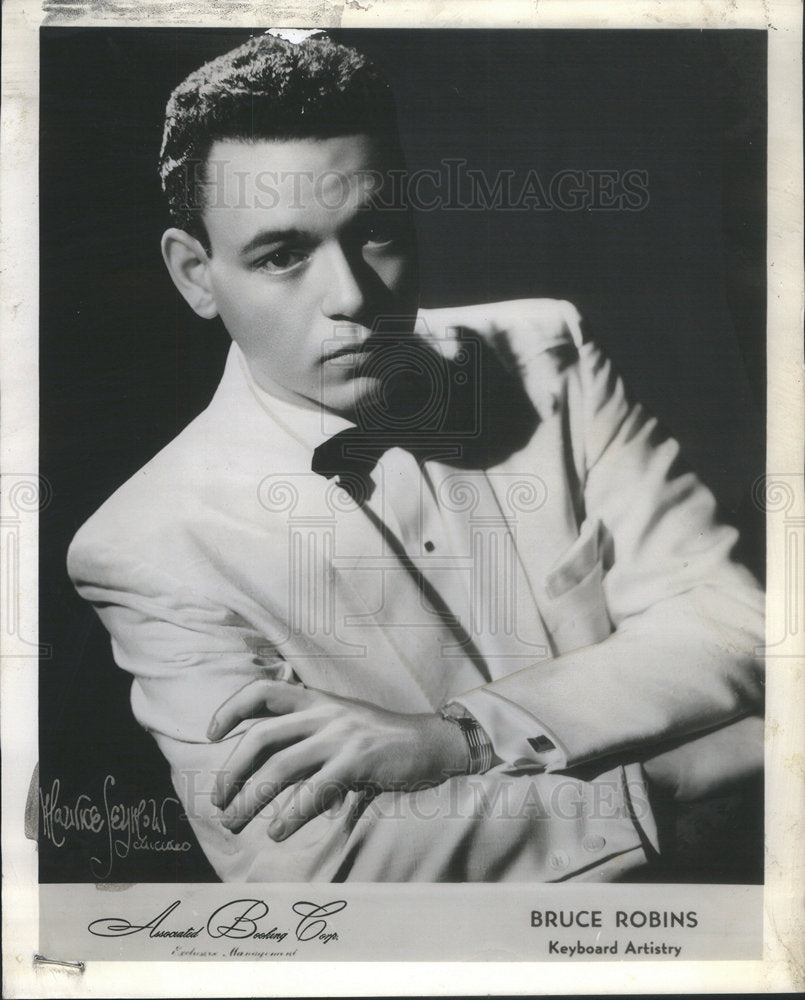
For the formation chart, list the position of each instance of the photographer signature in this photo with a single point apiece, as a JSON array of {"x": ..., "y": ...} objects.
[{"x": 125, "y": 827}]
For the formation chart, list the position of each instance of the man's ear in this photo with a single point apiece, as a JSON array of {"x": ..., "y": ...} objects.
[{"x": 188, "y": 265}]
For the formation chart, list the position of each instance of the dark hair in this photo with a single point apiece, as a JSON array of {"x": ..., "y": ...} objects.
[{"x": 268, "y": 88}]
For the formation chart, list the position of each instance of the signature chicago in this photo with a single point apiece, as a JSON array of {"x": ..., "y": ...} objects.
[
  {"x": 237, "y": 919},
  {"x": 139, "y": 826}
]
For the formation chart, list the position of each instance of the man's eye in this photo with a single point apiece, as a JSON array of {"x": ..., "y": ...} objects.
[{"x": 282, "y": 260}]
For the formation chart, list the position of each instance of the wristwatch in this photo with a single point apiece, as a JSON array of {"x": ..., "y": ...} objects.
[{"x": 478, "y": 743}]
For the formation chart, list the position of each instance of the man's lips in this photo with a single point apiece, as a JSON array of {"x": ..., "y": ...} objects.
[
  {"x": 375, "y": 346},
  {"x": 354, "y": 357},
  {"x": 344, "y": 352}
]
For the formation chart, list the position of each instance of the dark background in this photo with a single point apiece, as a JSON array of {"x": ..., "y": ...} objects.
[{"x": 675, "y": 293}]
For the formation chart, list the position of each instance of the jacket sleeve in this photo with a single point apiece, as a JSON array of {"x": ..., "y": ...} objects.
[{"x": 687, "y": 619}]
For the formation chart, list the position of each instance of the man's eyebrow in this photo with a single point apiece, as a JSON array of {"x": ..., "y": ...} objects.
[{"x": 268, "y": 236}]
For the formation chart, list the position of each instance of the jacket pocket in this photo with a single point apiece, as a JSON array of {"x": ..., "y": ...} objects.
[{"x": 576, "y": 610}]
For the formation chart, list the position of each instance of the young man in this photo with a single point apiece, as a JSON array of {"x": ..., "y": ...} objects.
[{"x": 420, "y": 596}]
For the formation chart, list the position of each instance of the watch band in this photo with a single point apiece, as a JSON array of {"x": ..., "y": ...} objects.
[{"x": 478, "y": 744}]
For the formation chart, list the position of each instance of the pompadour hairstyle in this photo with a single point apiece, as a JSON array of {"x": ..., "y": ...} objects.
[{"x": 268, "y": 88}]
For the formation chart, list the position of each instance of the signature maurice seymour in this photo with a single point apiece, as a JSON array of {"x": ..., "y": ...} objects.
[{"x": 144, "y": 825}]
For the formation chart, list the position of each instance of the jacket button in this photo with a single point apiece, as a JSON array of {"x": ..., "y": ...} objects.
[
  {"x": 558, "y": 860},
  {"x": 593, "y": 842}
]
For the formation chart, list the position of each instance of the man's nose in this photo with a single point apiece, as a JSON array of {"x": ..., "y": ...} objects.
[{"x": 345, "y": 295}]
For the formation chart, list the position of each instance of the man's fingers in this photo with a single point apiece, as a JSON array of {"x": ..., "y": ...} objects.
[
  {"x": 310, "y": 798},
  {"x": 253, "y": 748},
  {"x": 284, "y": 768},
  {"x": 258, "y": 697}
]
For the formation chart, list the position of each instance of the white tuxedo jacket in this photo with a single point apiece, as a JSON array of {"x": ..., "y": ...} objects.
[{"x": 630, "y": 628}]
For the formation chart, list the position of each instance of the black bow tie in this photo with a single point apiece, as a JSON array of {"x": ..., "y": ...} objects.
[
  {"x": 352, "y": 455},
  {"x": 473, "y": 418}
]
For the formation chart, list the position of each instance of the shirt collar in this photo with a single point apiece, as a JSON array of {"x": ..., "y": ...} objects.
[{"x": 310, "y": 424}]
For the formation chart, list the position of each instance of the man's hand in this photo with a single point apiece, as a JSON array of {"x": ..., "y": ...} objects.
[{"x": 336, "y": 743}]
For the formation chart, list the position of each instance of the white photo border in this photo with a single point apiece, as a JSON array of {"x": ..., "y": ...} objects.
[{"x": 783, "y": 965}]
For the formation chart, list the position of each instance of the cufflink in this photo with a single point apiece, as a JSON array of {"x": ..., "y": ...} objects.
[{"x": 541, "y": 744}]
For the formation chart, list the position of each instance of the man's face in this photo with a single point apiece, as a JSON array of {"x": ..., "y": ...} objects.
[{"x": 302, "y": 267}]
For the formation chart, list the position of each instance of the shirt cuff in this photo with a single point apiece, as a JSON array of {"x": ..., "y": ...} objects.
[{"x": 519, "y": 739}]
